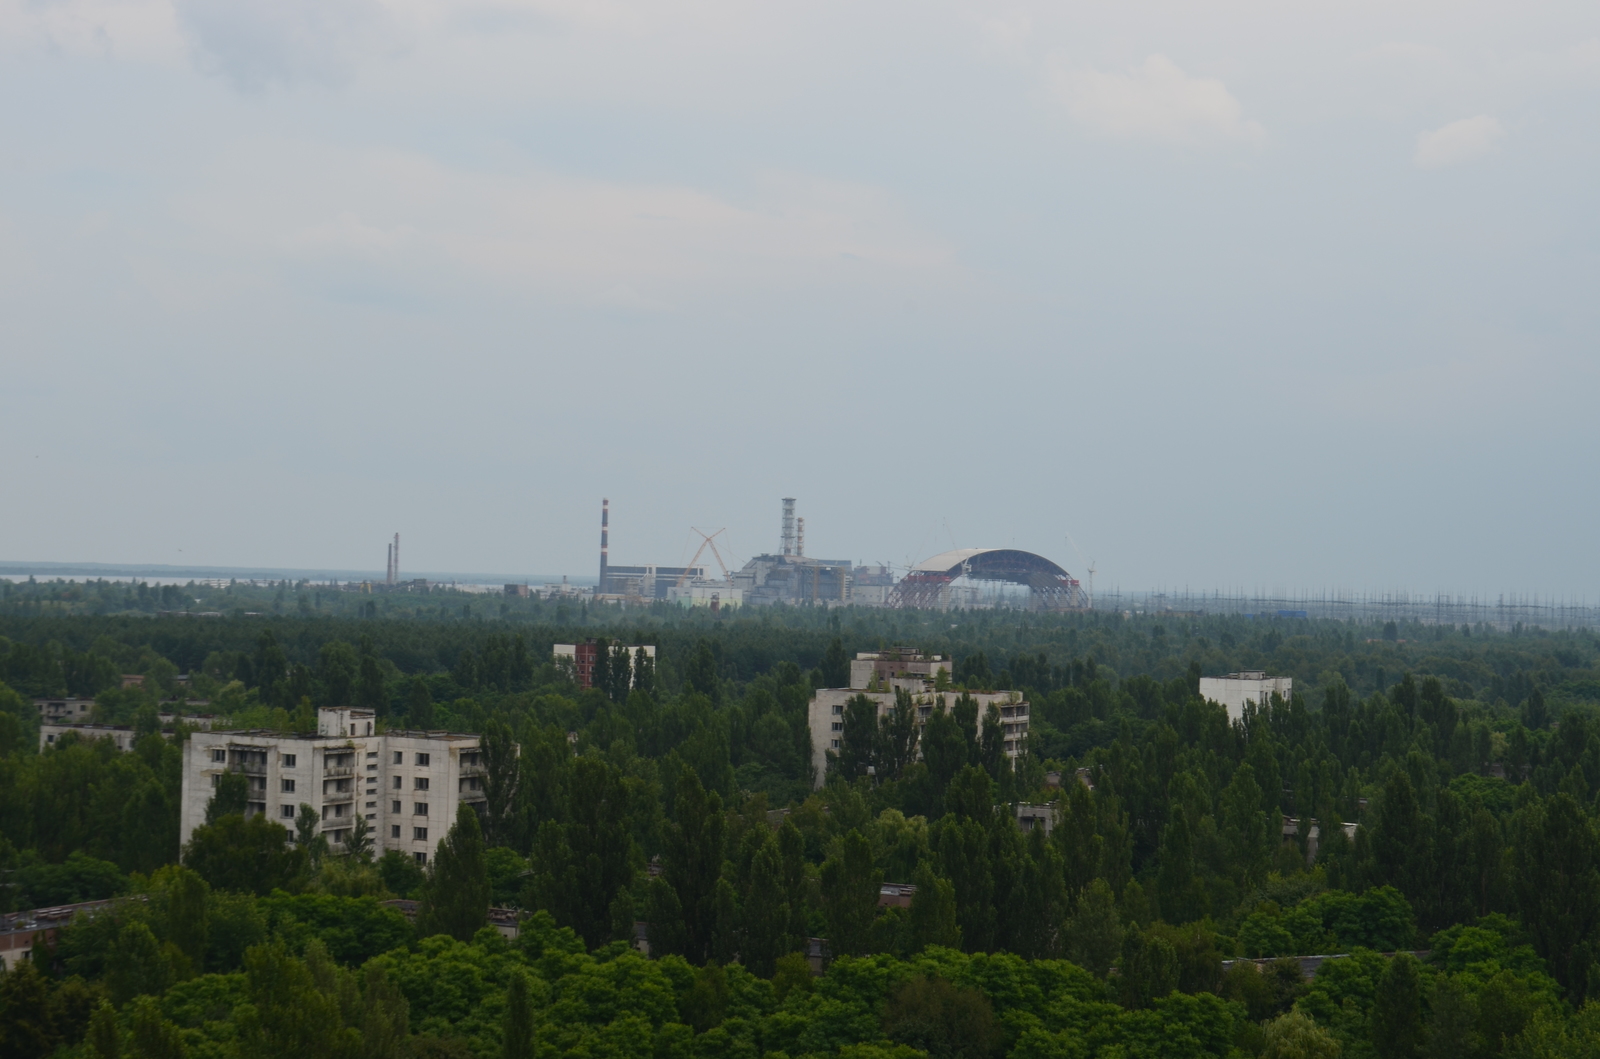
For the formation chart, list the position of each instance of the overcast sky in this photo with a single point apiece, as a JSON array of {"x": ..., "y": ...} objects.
[{"x": 1237, "y": 294}]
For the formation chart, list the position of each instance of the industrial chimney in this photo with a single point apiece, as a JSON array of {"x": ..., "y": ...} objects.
[
  {"x": 394, "y": 561},
  {"x": 788, "y": 525},
  {"x": 800, "y": 537},
  {"x": 605, "y": 540}
]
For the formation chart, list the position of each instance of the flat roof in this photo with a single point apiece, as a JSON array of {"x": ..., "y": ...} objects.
[{"x": 272, "y": 733}]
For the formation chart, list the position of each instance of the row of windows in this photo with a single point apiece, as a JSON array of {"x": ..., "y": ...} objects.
[
  {"x": 219, "y": 755},
  {"x": 421, "y": 833},
  {"x": 418, "y": 834}
]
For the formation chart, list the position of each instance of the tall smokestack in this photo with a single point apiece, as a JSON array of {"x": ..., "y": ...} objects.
[
  {"x": 800, "y": 537},
  {"x": 395, "y": 577},
  {"x": 388, "y": 563},
  {"x": 788, "y": 525},
  {"x": 605, "y": 539}
]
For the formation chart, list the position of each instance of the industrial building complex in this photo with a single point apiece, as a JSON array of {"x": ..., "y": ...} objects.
[{"x": 952, "y": 580}]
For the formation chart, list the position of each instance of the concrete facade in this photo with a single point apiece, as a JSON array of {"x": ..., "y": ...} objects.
[
  {"x": 1251, "y": 685},
  {"x": 64, "y": 711},
  {"x": 123, "y": 735},
  {"x": 581, "y": 656},
  {"x": 916, "y": 674},
  {"x": 868, "y": 666},
  {"x": 408, "y": 785}
]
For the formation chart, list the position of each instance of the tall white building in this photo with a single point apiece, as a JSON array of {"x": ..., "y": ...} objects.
[
  {"x": 407, "y": 785},
  {"x": 884, "y": 671},
  {"x": 1250, "y": 685}
]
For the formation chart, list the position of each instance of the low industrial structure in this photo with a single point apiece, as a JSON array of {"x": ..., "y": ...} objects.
[
  {"x": 407, "y": 785},
  {"x": 1251, "y": 685},
  {"x": 636, "y": 584},
  {"x": 878, "y": 675}
]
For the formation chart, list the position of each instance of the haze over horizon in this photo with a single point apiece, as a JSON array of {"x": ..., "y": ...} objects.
[{"x": 1247, "y": 295}]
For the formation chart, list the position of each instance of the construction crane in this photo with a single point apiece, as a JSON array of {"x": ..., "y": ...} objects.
[{"x": 707, "y": 541}]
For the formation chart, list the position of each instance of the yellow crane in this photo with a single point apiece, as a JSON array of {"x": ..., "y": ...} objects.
[{"x": 707, "y": 541}]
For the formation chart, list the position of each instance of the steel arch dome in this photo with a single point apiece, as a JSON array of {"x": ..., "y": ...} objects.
[{"x": 1050, "y": 586}]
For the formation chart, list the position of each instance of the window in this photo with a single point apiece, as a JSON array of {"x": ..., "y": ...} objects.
[
  {"x": 287, "y": 812},
  {"x": 399, "y": 757},
  {"x": 219, "y": 755},
  {"x": 372, "y": 805},
  {"x": 838, "y": 726},
  {"x": 371, "y": 755},
  {"x": 394, "y": 807},
  {"x": 372, "y": 816},
  {"x": 419, "y": 834},
  {"x": 422, "y": 858},
  {"x": 422, "y": 783},
  {"x": 835, "y": 745},
  {"x": 288, "y": 786},
  {"x": 419, "y": 809},
  {"x": 394, "y": 830},
  {"x": 422, "y": 761},
  {"x": 287, "y": 761},
  {"x": 372, "y": 768},
  {"x": 214, "y": 780},
  {"x": 837, "y": 710},
  {"x": 398, "y": 783}
]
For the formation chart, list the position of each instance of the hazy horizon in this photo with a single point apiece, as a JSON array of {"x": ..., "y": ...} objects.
[{"x": 1234, "y": 295}]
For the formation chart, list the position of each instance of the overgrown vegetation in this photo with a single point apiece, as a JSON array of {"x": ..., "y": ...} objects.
[{"x": 1468, "y": 761}]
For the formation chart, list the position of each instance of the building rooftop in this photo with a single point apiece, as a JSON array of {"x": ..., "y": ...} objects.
[{"x": 274, "y": 733}]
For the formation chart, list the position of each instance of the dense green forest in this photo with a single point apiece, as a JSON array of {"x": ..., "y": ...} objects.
[{"x": 1467, "y": 899}]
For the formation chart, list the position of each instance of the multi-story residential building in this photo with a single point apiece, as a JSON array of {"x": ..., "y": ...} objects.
[
  {"x": 877, "y": 675},
  {"x": 582, "y": 657},
  {"x": 64, "y": 711},
  {"x": 123, "y": 735},
  {"x": 407, "y": 785},
  {"x": 1251, "y": 685}
]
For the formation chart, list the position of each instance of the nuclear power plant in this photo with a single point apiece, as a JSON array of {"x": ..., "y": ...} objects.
[{"x": 960, "y": 579}]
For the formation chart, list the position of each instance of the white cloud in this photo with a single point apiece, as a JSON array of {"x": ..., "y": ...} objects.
[
  {"x": 1459, "y": 141},
  {"x": 1155, "y": 101},
  {"x": 256, "y": 43},
  {"x": 643, "y": 246}
]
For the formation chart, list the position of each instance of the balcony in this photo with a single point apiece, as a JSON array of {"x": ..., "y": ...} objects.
[
  {"x": 337, "y": 797},
  {"x": 249, "y": 768},
  {"x": 474, "y": 770},
  {"x": 336, "y": 771}
]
